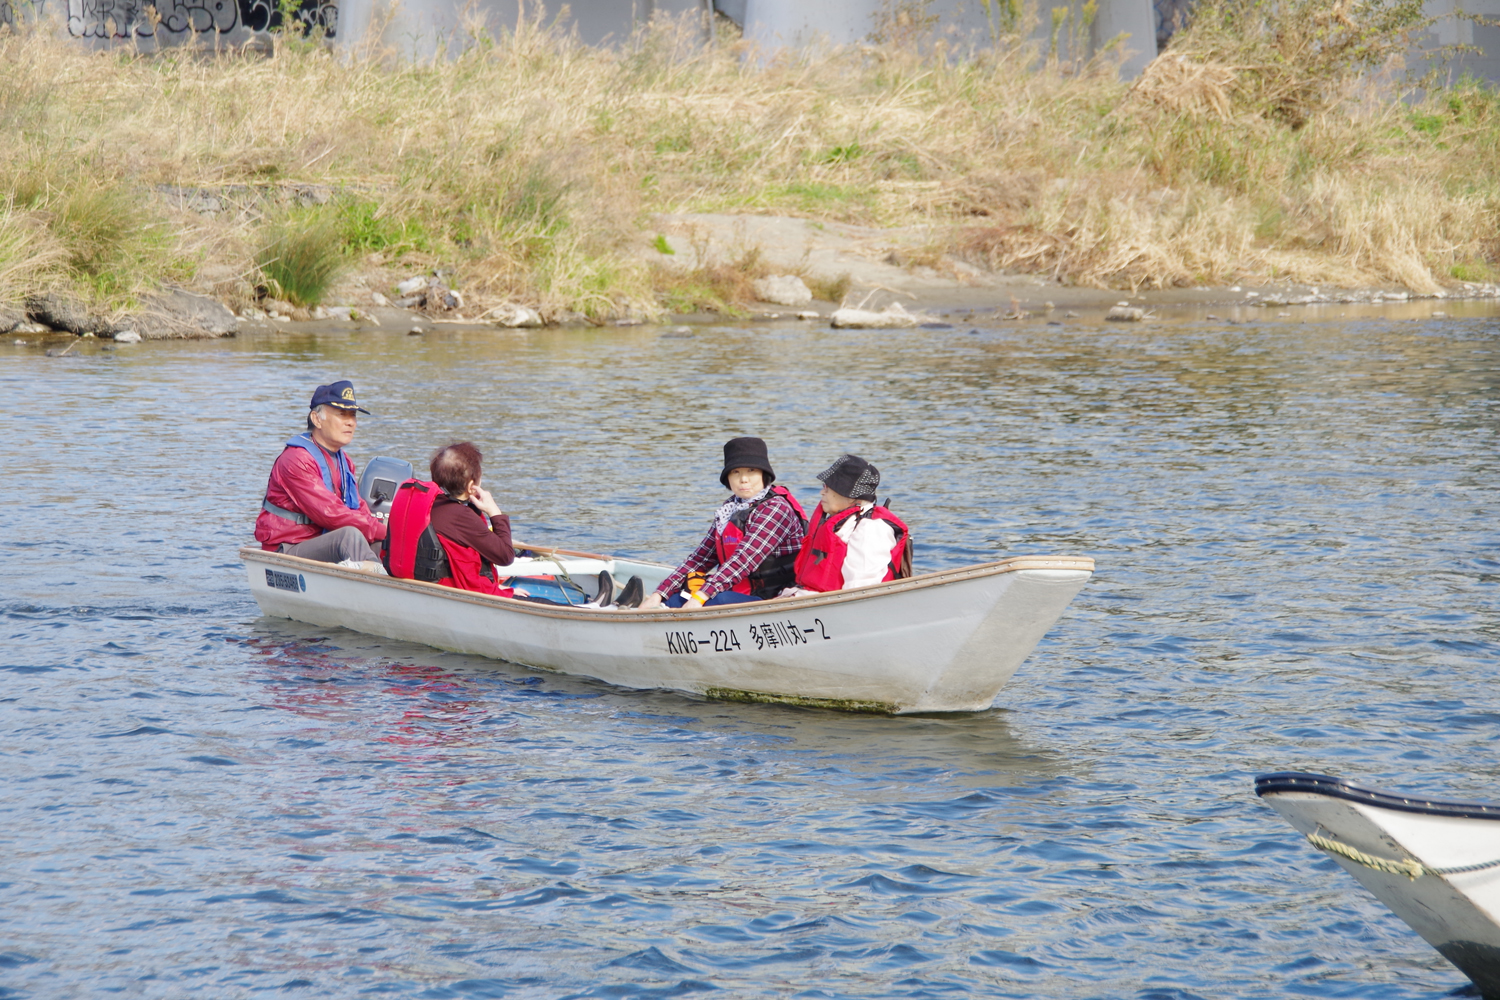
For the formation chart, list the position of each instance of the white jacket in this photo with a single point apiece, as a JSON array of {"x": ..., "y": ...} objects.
[{"x": 870, "y": 543}]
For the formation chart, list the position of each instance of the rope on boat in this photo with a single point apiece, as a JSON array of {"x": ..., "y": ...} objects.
[
  {"x": 551, "y": 557},
  {"x": 1410, "y": 867}
]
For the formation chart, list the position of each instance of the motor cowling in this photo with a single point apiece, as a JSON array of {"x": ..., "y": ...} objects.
[{"x": 378, "y": 483}]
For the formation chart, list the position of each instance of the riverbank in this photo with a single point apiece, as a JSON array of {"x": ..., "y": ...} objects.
[
  {"x": 1068, "y": 311},
  {"x": 665, "y": 178}
]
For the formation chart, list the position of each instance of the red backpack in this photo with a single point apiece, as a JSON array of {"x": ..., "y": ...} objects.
[{"x": 413, "y": 550}]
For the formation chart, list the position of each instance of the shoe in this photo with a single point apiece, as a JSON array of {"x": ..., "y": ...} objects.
[
  {"x": 605, "y": 595},
  {"x": 633, "y": 594},
  {"x": 368, "y": 566}
]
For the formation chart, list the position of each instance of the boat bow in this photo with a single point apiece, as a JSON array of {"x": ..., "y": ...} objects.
[{"x": 1434, "y": 862}]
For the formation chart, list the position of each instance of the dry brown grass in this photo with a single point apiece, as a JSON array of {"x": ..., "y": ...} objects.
[
  {"x": 714, "y": 284},
  {"x": 528, "y": 164}
]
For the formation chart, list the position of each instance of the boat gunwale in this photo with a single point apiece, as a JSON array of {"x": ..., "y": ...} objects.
[
  {"x": 1337, "y": 788},
  {"x": 924, "y": 581},
  {"x": 549, "y": 551}
]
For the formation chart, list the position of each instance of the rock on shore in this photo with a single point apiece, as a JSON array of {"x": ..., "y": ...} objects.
[
  {"x": 170, "y": 314},
  {"x": 783, "y": 290},
  {"x": 62, "y": 313},
  {"x": 893, "y": 317},
  {"x": 177, "y": 313},
  {"x": 11, "y": 319}
]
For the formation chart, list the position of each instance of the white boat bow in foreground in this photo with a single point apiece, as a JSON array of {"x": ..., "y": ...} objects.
[
  {"x": 939, "y": 642},
  {"x": 1436, "y": 864}
]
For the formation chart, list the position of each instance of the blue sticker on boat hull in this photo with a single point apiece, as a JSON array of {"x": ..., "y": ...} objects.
[{"x": 277, "y": 580}]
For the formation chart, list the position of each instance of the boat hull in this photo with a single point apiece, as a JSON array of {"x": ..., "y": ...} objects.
[
  {"x": 1458, "y": 913},
  {"x": 945, "y": 642}
]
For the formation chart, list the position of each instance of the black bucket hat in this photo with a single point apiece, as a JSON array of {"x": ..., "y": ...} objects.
[
  {"x": 852, "y": 477},
  {"x": 746, "y": 453}
]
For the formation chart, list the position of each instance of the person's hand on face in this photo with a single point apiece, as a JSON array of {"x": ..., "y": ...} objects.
[{"x": 483, "y": 500}]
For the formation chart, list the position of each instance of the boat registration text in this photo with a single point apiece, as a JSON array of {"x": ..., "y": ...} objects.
[{"x": 763, "y": 635}]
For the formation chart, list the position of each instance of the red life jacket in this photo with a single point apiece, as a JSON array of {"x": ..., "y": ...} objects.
[
  {"x": 820, "y": 564},
  {"x": 775, "y": 572},
  {"x": 415, "y": 551},
  {"x": 468, "y": 571},
  {"x": 412, "y": 549}
]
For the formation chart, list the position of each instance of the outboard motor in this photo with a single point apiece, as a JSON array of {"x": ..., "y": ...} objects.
[{"x": 377, "y": 484}]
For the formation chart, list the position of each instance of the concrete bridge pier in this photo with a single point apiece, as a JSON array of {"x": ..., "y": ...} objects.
[{"x": 799, "y": 23}]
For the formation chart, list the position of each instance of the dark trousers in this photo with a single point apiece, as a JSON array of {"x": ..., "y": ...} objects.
[
  {"x": 718, "y": 600},
  {"x": 334, "y": 546}
]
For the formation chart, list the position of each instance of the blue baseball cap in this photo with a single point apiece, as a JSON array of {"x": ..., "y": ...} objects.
[{"x": 340, "y": 394}]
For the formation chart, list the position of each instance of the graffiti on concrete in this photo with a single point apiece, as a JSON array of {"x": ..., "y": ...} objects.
[
  {"x": 265, "y": 15},
  {"x": 178, "y": 20},
  {"x": 15, "y": 13}
]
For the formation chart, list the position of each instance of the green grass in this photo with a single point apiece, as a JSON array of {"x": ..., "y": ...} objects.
[
  {"x": 714, "y": 286},
  {"x": 680, "y": 143},
  {"x": 535, "y": 208},
  {"x": 300, "y": 257},
  {"x": 1477, "y": 271},
  {"x": 843, "y": 154},
  {"x": 367, "y": 227},
  {"x": 845, "y": 202},
  {"x": 111, "y": 241},
  {"x": 696, "y": 295},
  {"x": 1427, "y": 124}
]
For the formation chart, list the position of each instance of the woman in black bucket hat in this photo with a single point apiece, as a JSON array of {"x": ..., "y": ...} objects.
[{"x": 749, "y": 550}]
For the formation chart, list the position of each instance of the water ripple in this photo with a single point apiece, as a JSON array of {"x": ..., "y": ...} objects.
[{"x": 1296, "y": 535}]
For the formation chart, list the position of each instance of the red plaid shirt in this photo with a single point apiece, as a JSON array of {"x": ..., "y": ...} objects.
[{"x": 773, "y": 529}]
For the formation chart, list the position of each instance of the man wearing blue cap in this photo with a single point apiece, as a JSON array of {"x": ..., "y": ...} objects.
[{"x": 312, "y": 506}]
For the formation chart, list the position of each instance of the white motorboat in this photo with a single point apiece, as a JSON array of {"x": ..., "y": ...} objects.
[
  {"x": 1435, "y": 863},
  {"x": 939, "y": 642}
]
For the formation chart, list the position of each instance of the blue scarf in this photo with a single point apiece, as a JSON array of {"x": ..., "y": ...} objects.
[{"x": 349, "y": 488}]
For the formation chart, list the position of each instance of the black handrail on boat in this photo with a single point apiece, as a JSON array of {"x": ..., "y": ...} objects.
[{"x": 1338, "y": 788}]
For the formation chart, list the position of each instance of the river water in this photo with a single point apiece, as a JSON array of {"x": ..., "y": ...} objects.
[{"x": 1296, "y": 531}]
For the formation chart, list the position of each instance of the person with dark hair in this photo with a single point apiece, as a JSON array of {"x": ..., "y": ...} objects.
[
  {"x": 312, "y": 507},
  {"x": 852, "y": 541},
  {"x": 748, "y": 552},
  {"x": 473, "y": 530},
  {"x": 475, "y": 533}
]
